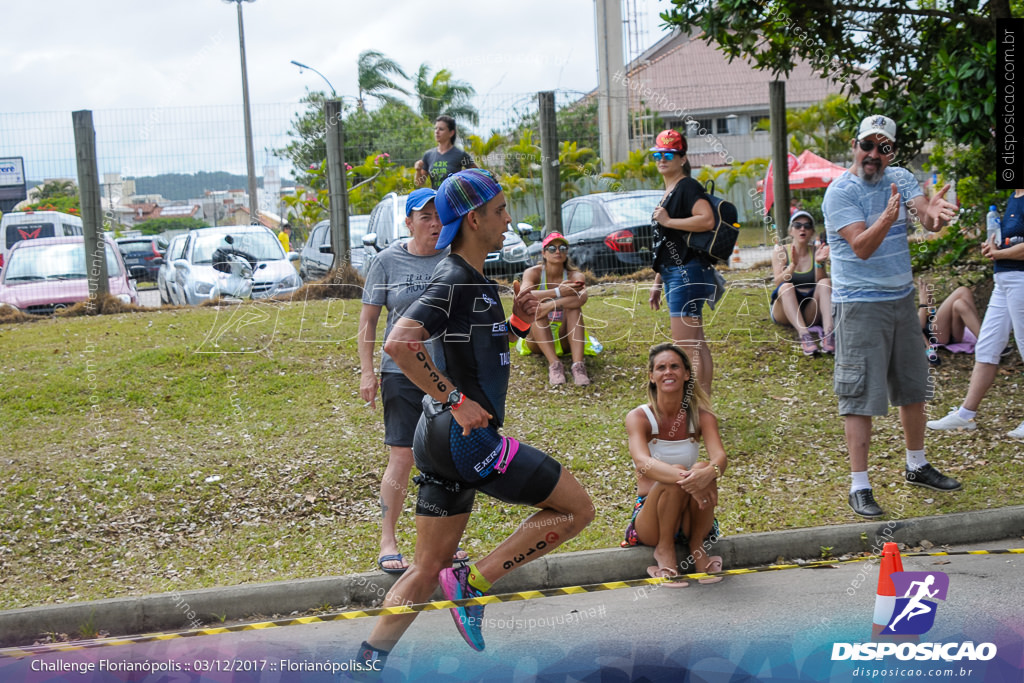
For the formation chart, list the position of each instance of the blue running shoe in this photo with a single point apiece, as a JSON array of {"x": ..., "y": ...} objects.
[{"x": 468, "y": 619}]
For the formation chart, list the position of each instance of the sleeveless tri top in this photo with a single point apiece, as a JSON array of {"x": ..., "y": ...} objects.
[{"x": 683, "y": 453}]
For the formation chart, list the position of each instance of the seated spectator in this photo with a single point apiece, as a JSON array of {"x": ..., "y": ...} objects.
[
  {"x": 676, "y": 494},
  {"x": 558, "y": 326},
  {"x": 803, "y": 292},
  {"x": 955, "y": 324}
]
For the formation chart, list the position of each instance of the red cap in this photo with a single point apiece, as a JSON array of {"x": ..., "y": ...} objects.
[
  {"x": 669, "y": 141},
  {"x": 552, "y": 237}
]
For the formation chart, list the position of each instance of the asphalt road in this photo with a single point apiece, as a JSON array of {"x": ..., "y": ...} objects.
[
  {"x": 772, "y": 626},
  {"x": 149, "y": 297}
]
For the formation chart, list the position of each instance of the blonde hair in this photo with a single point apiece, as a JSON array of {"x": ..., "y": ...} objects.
[{"x": 695, "y": 399}]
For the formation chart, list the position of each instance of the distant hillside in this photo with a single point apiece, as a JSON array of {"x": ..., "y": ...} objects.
[{"x": 183, "y": 186}]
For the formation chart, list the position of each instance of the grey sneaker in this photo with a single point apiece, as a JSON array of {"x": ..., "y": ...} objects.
[
  {"x": 952, "y": 421},
  {"x": 863, "y": 503},
  {"x": 556, "y": 373},
  {"x": 579, "y": 374},
  {"x": 1017, "y": 433}
]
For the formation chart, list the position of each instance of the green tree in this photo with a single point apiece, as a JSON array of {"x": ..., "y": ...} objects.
[
  {"x": 157, "y": 226},
  {"x": 375, "y": 73},
  {"x": 441, "y": 94},
  {"x": 896, "y": 58},
  {"x": 56, "y": 190}
]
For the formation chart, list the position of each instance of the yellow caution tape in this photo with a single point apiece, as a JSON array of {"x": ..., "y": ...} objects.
[{"x": 445, "y": 604}]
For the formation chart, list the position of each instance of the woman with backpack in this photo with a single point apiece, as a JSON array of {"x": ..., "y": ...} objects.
[{"x": 687, "y": 277}]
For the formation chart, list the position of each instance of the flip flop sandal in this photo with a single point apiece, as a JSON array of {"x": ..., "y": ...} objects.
[
  {"x": 714, "y": 565},
  {"x": 391, "y": 558},
  {"x": 656, "y": 572}
]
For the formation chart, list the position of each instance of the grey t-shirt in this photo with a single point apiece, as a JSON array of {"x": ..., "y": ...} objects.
[
  {"x": 395, "y": 279},
  {"x": 440, "y": 166}
]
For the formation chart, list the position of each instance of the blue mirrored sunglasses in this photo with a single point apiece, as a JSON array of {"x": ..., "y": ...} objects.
[{"x": 667, "y": 156}]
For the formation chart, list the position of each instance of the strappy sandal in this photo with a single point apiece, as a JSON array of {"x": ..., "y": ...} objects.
[
  {"x": 714, "y": 566},
  {"x": 656, "y": 572}
]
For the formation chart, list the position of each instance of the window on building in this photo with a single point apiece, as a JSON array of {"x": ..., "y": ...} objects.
[
  {"x": 756, "y": 125},
  {"x": 705, "y": 126}
]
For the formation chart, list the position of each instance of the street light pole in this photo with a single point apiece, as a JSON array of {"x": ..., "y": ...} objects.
[
  {"x": 250, "y": 157},
  {"x": 334, "y": 95}
]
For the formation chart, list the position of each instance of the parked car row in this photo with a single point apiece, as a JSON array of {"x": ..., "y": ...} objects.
[{"x": 608, "y": 232}]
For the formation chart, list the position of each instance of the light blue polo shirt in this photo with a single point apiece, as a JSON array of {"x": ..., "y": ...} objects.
[{"x": 886, "y": 275}]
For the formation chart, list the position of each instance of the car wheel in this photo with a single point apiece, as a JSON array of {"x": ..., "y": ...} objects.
[{"x": 163, "y": 296}]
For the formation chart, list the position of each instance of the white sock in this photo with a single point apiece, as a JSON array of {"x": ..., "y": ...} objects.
[
  {"x": 858, "y": 481},
  {"x": 916, "y": 459},
  {"x": 966, "y": 414}
]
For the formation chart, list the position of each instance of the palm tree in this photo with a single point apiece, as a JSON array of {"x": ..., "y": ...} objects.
[
  {"x": 375, "y": 72},
  {"x": 444, "y": 95}
]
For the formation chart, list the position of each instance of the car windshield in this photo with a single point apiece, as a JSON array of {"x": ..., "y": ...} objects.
[
  {"x": 633, "y": 210},
  {"x": 136, "y": 247},
  {"x": 53, "y": 262},
  {"x": 28, "y": 231},
  {"x": 262, "y": 246},
  {"x": 356, "y": 229}
]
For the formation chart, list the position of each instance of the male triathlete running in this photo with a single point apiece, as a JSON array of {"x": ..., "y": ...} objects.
[{"x": 458, "y": 448}]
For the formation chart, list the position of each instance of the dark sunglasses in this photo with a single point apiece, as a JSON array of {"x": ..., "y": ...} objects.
[
  {"x": 802, "y": 226},
  {"x": 667, "y": 156},
  {"x": 868, "y": 145},
  {"x": 551, "y": 248}
]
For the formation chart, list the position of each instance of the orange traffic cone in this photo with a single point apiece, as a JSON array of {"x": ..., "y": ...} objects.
[
  {"x": 885, "y": 598},
  {"x": 735, "y": 255}
]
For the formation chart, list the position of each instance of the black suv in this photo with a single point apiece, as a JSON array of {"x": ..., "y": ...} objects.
[{"x": 141, "y": 255}]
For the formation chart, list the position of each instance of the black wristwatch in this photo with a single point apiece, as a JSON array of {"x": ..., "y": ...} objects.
[{"x": 455, "y": 399}]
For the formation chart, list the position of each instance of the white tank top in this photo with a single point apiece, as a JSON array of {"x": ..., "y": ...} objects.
[{"x": 683, "y": 453}]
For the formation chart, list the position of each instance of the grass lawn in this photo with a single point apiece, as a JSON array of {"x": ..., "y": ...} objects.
[{"x": 187, "y": 448}]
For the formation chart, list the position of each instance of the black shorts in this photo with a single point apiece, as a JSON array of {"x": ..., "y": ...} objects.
[
  {"x": 453, "y": 466},
  {"x": 402, "y": 407}
]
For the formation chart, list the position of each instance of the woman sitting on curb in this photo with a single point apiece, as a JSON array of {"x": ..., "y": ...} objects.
[
  {"x": 561, "y": 291},
  {"x": 803, "y": 291},
  {"x": 675, "y": 494},
  {"x": 955, "y": 324}
]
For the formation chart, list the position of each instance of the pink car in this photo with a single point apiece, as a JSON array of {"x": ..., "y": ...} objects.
[{"x": 44, "y": 275}]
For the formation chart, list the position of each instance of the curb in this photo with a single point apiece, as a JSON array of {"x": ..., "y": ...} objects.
[{"x": 180, "y": 611}]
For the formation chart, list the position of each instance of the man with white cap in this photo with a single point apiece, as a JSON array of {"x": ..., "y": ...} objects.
[
  {"x": 879, "y": 359},
  {"x": 458, "y": 448},
  {"x": 395, "y": 278}
]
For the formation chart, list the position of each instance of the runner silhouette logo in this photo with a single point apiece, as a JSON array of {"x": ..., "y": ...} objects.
[{"x": 914, "y": 613}]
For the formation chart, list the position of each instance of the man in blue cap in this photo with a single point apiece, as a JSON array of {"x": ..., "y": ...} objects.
[
  {"x": 395, "y": 279},
  {"x": 458, "y": 448}
]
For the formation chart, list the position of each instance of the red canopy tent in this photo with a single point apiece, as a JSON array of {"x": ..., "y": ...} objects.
[{"x": 810, "y": 171}]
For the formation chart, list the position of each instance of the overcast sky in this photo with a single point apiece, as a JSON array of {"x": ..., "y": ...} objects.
[
  {"x": 163, "y": 77},
  {"x": 62, "y": 55}
]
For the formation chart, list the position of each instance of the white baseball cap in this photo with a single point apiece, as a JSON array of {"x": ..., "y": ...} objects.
[{"x": 877, "y": 125}]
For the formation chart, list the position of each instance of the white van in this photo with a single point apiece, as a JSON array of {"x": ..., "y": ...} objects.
[{"x": 29, "y": 225}]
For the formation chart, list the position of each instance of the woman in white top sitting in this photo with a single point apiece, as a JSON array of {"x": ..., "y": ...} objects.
[{"x": 676, "y": 492}]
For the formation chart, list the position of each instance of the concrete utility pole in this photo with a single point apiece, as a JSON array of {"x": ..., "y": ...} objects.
[
  {"x": 612, "y": 102},
  {"x": 92, "y": 210},
  {"x": 250, "y": 157},
  {"x": 337, "y": 184},
  {"x": 550, "y": 170},
  {"x": 780, "y": 156}
]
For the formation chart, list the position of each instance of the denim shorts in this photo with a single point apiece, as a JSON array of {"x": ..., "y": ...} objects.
[{"x": 688, "y": 287}]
